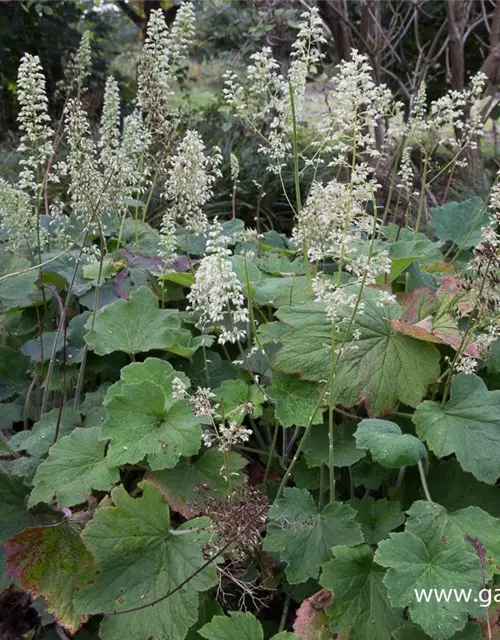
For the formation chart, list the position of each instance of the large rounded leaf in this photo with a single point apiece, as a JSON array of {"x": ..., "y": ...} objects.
[
  {"x": 132, "y": 325},
  {"x": 468, "y": 426},
  {"x": 387, "y": 443}
]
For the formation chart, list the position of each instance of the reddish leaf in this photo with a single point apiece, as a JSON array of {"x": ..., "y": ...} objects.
[
  {"x": 121, "y": 287},
  {"x": 417, "y": 305},
  {"x": 311, "y": 622},
  {"x": 50, "y": 562},
  {"x": 443, "y": 331},
  {"x": 414, "y": 331}
]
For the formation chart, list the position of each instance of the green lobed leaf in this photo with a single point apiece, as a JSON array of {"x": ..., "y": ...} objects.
[
  {"x": 243, "y": 626},
  {"x": 133, "y": 326},
  {"x": 236, "y": 394},
  {"x": 75, "y": 466},
  {"x": 430, "y": 562},
  {"x": 360, "y": 603},
  {"x": 466, "y": 524},
  {"x": 377, "y": 517},
  {"x": 10, "y": 412},
  {"x": 284, "y": 291},
  {"x": 13, "y": 368},
  {"x": 460, "y": 222},
  {"x": 17, "y": 290},
  {"x": 379, "y": 368},
  {"x": 42, "y": 435},
  {"x": 388, "y": 445},
  {"x": 304, "y": 536},
  {"x": 140, "y": 560},
  {"x": 186, "y": 345},
  {"x": 40, "y": 349},
  {"x": 51, "y": 562},
  {"x": 305, "y": 344},
  {"x": 468, "y": 426},
  {"x": 144, "y": 420},
  {"x": 296, "y": 400},
  {"x": 151, "y": 370}
]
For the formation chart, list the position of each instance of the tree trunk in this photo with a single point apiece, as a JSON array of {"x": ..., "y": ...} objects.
[
  {"x": 491, "y": 66},
  {"x": 334, "y": 13},
  {"x": 371, "y": 31},
  {"x": 457, "y": 14}
]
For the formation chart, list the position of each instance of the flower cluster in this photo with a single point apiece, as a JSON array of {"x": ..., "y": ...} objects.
[
  {"x": 334, "y": 217},
  {"x": 357, "y": 107},
  {"x": 86, "y": 185},
  {"x": 217, "y": 294},
  {"x": 454, "y": 120},
  {"x": 201, "y": 402},
  {"x": 17, "y": 218},
  {"x": 78, "y": 67},
  {"x": 162, "y": 53},
  {"x": 265, "y": 104},
  {"x": 33, "y": 119},
  {"x": 226, "y": 436},
  {"x": 189, "y": 186}
]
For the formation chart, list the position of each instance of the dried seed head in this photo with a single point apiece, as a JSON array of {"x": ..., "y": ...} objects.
[{"x": 239, "y": 518}]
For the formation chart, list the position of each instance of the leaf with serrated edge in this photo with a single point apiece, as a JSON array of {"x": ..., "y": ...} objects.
[
  {"x": 304, "y": 536},
  {"x": 468, "y": 523},
  {"x": 38, "y": 440},
  {"x": 360, "y": 601},
  {"x": 76, "y": 464},
  {"x": 468, "y": 426},
  {"x": 140, "y": 560},
  {"x": 380, "y": 368},
  {"x": 377, "y": 517},
  {"x": 416, "y": 563},
  {"x": 296, "y": 400},
  {"x": 234, "y": 394},
  {"x": 151, "y": 370},
  {"x": 243, "y": 626},
  {"x": 14, "y": 515},
  {"x": 388, "y": 445},
  {"x": 146, "y": 421},
  {"x": 135, "y": 325},
  {"x": 51, "y": 562},
  {"x": 460, "y": 222}
]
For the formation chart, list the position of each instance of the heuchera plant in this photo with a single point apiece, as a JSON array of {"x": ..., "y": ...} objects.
[{"x": 209, "y": 431}]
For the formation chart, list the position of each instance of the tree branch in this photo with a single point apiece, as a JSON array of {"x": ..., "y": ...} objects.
[{"x": 130, "y": 13}]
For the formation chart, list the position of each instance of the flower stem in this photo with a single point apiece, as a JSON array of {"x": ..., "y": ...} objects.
[{"x": 297, "y": 183}]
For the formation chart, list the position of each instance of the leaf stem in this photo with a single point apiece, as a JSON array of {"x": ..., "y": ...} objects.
[{"x": 424, "y": 481}]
